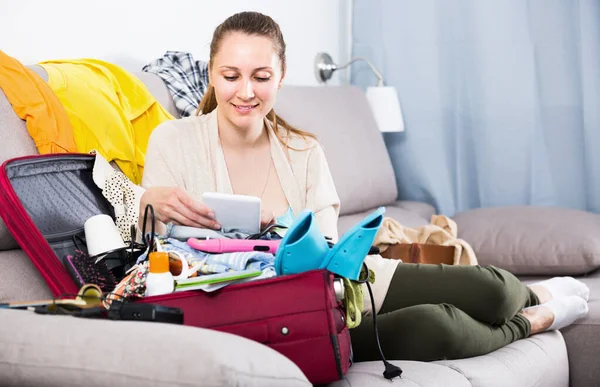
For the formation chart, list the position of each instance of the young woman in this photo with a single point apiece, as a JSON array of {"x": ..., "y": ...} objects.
[{"x": 237, "y": 144}]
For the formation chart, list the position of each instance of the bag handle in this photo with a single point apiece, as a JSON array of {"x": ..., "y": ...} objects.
[{"x": 148, "y": 240}]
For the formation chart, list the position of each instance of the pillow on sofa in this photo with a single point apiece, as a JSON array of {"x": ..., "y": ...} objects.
[{"x": 533, "y": 240}]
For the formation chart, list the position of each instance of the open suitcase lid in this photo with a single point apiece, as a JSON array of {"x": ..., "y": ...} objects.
[{"x": 44, "y": 201}]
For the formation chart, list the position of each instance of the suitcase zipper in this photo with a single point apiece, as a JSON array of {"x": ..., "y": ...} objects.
[{"x": 57, "y": 237}]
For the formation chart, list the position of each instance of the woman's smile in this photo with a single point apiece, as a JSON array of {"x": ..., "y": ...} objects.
[{"x": 244, "y": 109}]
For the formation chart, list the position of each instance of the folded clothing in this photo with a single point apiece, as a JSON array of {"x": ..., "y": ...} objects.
[{"x": 215, "y": 263}]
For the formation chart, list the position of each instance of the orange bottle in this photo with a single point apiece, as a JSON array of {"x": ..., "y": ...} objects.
[{"x": 159, "y": 279}]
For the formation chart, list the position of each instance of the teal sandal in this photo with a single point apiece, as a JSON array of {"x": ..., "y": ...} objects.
[
  {"x": 303, "y": 247},
  {"x": 347, "y": 255}
]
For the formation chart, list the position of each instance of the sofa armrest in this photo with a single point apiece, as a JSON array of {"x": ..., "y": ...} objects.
[{"x": 43, "y": 350}]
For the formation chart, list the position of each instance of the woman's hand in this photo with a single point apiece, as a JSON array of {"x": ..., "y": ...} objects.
[
  {"x": 266, "y": 219},
  {"x": 175, "y": 205}
]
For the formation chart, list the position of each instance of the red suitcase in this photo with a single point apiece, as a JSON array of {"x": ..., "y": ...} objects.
[{"x": 45, "y": 200}]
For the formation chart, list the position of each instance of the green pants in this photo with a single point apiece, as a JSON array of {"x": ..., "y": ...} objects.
[{"x": 435, "y": 312}]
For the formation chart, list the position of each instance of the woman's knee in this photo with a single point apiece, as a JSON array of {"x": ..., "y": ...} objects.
[{"x": 500, "y": 303}]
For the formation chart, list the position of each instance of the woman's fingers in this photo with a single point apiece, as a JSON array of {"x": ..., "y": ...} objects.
[
  {"x": 181, "y": 220},
  {"x": 196, "y": 213},
  {"x": 193, "y": 205},
  {"x": 175, "y": 205}
]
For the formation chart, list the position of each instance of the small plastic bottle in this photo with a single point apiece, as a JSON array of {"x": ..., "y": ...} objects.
[{"x": 159, "y": 279}]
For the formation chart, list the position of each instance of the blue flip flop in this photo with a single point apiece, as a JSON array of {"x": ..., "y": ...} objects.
[
  {"x": 347, "y": 255},
  {"x": 303, "y": 247}
]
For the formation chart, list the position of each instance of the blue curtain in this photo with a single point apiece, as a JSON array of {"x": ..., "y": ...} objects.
[{"x": 501, "y": 98}]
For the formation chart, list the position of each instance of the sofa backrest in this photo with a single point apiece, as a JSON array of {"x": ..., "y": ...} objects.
[
  {"x": 341, "y": 118},
  {"x": 159, "y": 91}
]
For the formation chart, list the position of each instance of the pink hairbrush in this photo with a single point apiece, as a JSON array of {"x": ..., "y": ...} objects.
[{"x": 217, "y": 246}]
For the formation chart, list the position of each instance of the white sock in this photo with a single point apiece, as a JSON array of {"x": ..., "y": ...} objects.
[
  {"x": 566, "y": 310},
  {"x": 565, "y": 286}
]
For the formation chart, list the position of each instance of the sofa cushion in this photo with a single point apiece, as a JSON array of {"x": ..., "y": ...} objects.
[
  {"x": 404, "y": 217},
  {"x": 19, "y": 278},
  {"x": 414, "y": 374},
  {"x": 44, "y": 350},
  {"x": 533, "y": 240},
  {"x": 344, "y": 124},
  {"x": 539, "y": 360}
]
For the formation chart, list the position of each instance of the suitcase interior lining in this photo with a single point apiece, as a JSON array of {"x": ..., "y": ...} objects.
[{"x": 59, "y": 195}]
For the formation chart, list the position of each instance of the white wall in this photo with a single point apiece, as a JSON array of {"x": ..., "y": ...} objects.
[{"x": 131, "y": 33}]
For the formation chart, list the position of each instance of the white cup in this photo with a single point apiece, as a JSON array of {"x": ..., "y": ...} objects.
[{"x": 102, "y": 235}]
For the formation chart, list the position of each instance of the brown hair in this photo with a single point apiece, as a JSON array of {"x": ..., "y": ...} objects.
[{"x": 250, "y": 23}]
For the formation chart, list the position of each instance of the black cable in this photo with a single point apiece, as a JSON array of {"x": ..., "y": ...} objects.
[
  {"x": 264, "y": 232},
  {"x": 148, "y": 241},
  {"x": 391, "y": 370}
]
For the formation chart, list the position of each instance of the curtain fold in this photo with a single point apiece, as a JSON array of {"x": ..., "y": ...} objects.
[{"x": 500, "y": 98}]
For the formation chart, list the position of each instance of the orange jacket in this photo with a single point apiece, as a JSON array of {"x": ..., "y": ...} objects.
[{"x": 35, "y": 102}]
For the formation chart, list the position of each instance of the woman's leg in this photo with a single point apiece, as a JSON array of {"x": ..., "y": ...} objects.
[
  {"x": 488, "y": 294},
  {"x": 433, "y": 332}
]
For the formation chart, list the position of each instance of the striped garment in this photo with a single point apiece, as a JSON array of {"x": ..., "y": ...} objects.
[{"x": 219, "y": 263}]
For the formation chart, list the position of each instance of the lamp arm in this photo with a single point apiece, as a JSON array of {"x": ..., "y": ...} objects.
[{"x": 373, "y": 68}]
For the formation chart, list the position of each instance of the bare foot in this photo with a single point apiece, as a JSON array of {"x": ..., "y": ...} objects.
[
  {"x": 539, "y": 317},
  {"x": 542, "y": 293}
]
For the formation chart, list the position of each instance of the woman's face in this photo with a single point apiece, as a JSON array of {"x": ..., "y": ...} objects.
[{"x": 246, "y": 75}]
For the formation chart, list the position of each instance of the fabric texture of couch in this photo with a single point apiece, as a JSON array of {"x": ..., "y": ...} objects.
[{"x": 51, "y": 350}]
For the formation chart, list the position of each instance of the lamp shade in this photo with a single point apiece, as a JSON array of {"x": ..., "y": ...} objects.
[{"x": 386, "y": 108}]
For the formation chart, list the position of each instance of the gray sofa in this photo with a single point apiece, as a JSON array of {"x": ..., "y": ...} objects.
[{"x": 65, "y": 351}]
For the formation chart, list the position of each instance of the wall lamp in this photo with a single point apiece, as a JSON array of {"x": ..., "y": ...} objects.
[{"x": 382, "y": 99}]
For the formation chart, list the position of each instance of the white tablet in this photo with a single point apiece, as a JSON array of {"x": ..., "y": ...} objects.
[{"x": 238, "y": 212}]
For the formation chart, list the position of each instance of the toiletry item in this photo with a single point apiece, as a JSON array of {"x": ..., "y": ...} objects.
[{"x": 159, "y": 279}]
